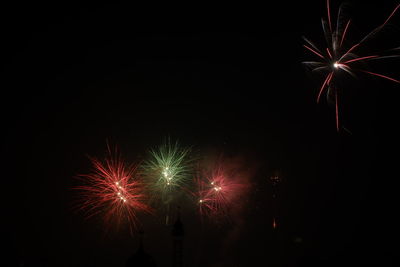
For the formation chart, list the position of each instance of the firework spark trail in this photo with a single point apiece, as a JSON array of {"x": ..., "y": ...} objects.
[
  {"x": 358, "y": 59},
  {"x": 327, "y": 80},
  {"x": 391, "y": 15},
  {"x": 380, "y": 75},
  {"x": 275, "y": 180},
  {"x": 167, "y": 171},
  {"x": 112, "y": 189},
  {"x": 329, "y": 14},
  {"x": 344, "y": 33},
  {"x": 335, "y": 60},
  {"x": 318, "y": 54}
]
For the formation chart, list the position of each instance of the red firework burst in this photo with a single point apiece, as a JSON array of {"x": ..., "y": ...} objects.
[
  {"x": 113, "y": 189},
  {"x": 219, "y": 189},
  {"x": 337, "y": 57}
]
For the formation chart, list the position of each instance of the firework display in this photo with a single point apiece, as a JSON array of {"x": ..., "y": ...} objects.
[
  {"x": 119, "y": 192},
  {"x": 338, "y": 57},
  {"x": 114, "y": 190},
  {"x": 167, "y": 171},
  {"x": 167, "y": 168},
  {"x": 219, "y": 187}
]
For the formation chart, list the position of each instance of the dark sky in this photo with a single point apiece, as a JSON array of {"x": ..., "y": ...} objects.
[{"x": 218, "y": 78}]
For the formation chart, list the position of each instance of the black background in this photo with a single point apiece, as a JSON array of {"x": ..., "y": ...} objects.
[{"x": 218, "y": 78}]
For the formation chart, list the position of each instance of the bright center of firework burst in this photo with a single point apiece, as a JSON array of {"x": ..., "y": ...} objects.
[
  {"x": 119, "y": 194},
  {"x": 167, "y": 175},
  {"x": 217, "y": 188},
  {"x": 336, "y": 65}
]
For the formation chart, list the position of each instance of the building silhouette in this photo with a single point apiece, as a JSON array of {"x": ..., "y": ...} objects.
[
  {"x": 141, "y": 258},
  {"x": 178, "y": 234}
]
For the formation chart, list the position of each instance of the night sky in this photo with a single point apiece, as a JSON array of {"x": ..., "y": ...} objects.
[{"x": 222, "y": 79}]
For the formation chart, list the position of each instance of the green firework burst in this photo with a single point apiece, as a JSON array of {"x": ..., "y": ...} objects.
[{"x": 168, "y": 168}]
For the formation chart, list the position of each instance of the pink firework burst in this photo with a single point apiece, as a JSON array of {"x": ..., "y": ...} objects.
[
  {"x": 219, "y": 190},
  {"x": 337, "y": 57},
  {"x": 113, "y": 189}
]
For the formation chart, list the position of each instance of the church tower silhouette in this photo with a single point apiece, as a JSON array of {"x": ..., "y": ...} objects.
[
  {"x": 141, "y": 258},
  {"x": 178, "y": 234}
]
